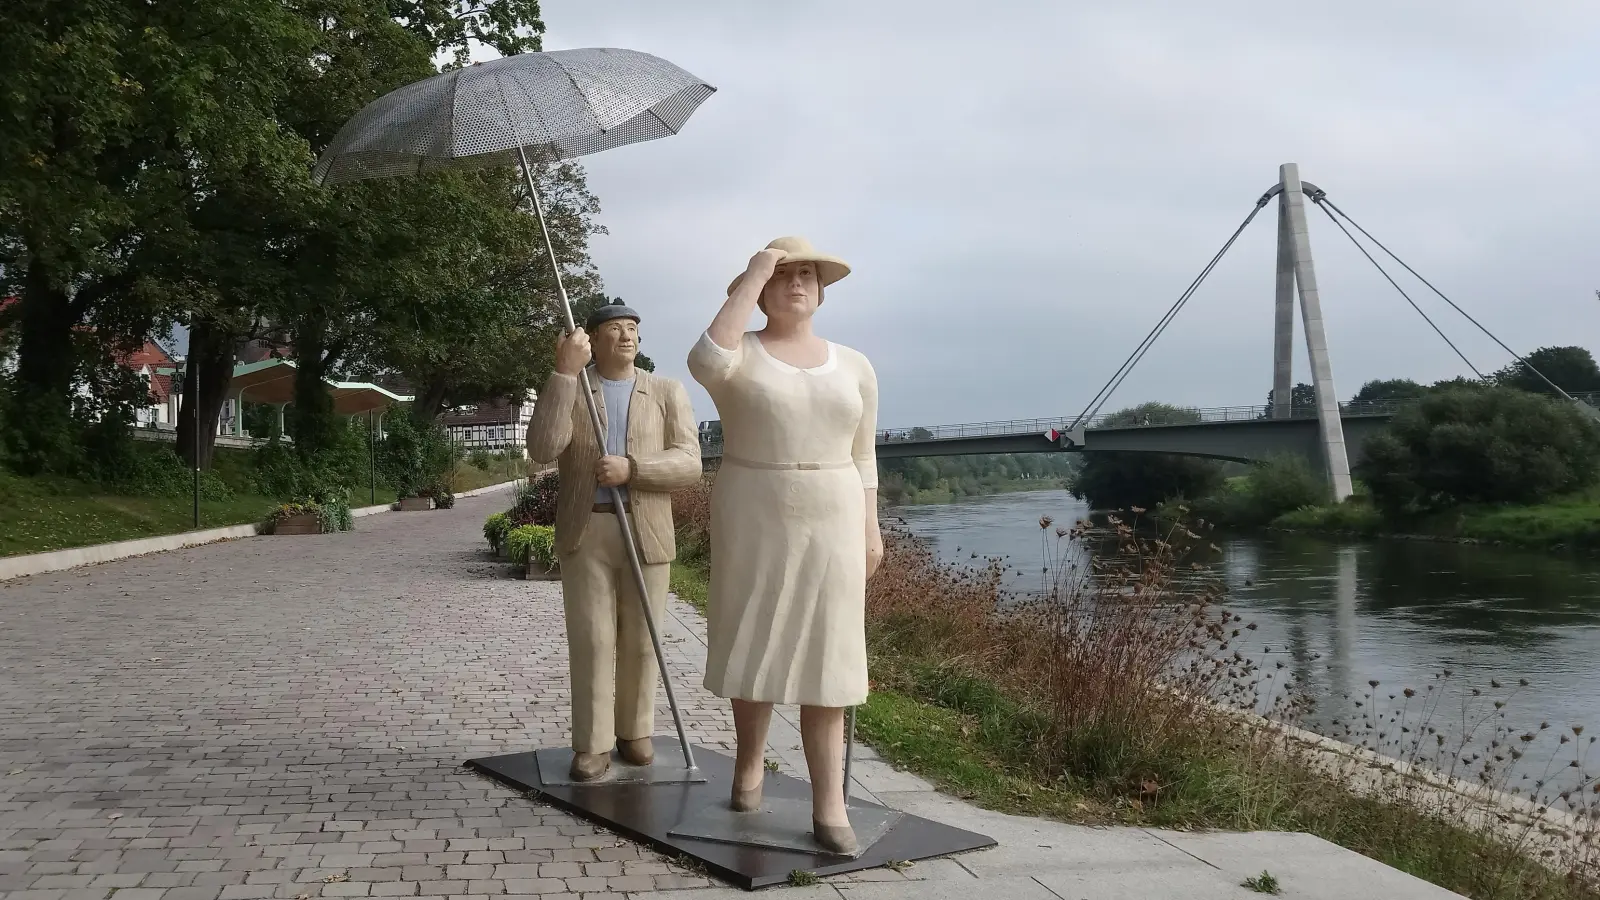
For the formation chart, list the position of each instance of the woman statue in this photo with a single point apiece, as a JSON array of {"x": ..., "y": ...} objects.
[{"x": 794, "y": 522}]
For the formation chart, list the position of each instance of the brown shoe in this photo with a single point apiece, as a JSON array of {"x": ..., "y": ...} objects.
[
  {"x": 640, "y": 752},
  {"x": 589, "y": 766}
]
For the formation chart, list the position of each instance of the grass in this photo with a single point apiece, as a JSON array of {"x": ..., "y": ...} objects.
[
  {"x": 1265, "y": 883},
  {"x": 43, "y": 514},
  {"x": 1571, "y": 522},
  {"x": 55, "y": 513},
  {"x": 469, "y": 477},
  {"x": 1078, "y": 709},
  {"x": 691, "y": 579}
]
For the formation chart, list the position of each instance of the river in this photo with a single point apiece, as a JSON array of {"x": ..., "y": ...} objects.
[{"x": 1339, "y": 613}]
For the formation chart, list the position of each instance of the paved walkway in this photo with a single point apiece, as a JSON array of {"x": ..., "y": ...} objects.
[{"x": 285, "y": 717}]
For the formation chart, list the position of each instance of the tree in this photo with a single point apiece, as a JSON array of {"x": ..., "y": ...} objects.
[
  {"x": 118, "y": 116},
  {"x": 1573, "y": 369},
  {"x": 1389, "y": 389},
  {"x": 1117, "y": 480},
  {"x": 368, "y": 260},
  {"x": 1489, "y": 445},
  {"x": 1303, "y": 396}
]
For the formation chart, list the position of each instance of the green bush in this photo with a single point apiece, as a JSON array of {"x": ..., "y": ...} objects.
[
  {"x": 495, "y": 528},
  {"x": 532, "y": 543},
  {"x": 415, "y": 457},
  {"x": 1487, "y": 445},
  {"x": 1277, "y": 486},
  {"x": 280, "y": 471},
  {"x": 1355, "y": 515},
  {"x": 481, "y": 460},
  {"x": 536, "y": 500},
  {"x": 1124, "y": 480}
]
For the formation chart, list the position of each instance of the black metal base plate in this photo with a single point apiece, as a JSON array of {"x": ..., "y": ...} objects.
[{"x": 649, "y": 812}]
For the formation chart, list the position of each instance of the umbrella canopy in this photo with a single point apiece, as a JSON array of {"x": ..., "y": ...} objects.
[{"x": 551, "y": 106}]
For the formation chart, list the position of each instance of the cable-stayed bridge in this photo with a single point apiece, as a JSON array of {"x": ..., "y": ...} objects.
[{"x": 1328, "y": 432}]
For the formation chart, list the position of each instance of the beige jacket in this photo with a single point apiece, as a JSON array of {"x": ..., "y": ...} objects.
[{"x": 663, "y": 445}]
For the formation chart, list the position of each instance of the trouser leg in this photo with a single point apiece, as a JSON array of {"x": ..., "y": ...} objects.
[
  {"x": 589, "y": 595},
  {"x": 636, "y": 655}
]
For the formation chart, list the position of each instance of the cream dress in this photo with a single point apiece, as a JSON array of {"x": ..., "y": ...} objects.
[{"x": 788, "y": 527}]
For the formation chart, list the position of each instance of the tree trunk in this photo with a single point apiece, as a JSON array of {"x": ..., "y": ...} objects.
[
  {"x": 45, "y": 357},
  {"x": 211, "y": 348},
  {"x": 430, "y": 403},
  {"x": 312, "y": 414},
  {"x": 46, "y": 363}
]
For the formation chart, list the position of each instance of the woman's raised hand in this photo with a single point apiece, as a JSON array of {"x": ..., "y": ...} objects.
[{"x": 763, "y": 264}]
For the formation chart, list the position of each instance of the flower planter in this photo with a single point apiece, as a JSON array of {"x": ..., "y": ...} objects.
[
  {"x": 535, "y": 572},
  {"x": 416, "y": 504},
  {"x": 305, "y": 523}
]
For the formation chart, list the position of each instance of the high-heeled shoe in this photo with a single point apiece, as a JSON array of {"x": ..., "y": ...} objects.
[
  {"x": 747, "y": 801},
  {"x": 839, "y": 839}
]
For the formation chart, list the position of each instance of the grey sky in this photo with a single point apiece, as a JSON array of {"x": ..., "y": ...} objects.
[{"x": 1023, "y": 188}]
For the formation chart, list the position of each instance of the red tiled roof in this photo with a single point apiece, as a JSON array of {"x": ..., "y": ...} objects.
[{"x": 150, "y": 355}]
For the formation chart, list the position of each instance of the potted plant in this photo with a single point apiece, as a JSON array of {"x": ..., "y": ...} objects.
[
  {"x": 295, "y": 518},
  {"x": 321, "y": 514},
  {"x": 533, "y": 547},
  {"x": 495, "y": 529}
]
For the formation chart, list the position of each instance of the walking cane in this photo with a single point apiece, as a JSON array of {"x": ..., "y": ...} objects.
[{"x": 628, "y": 539}]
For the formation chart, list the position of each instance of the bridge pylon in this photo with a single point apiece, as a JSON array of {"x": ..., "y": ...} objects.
[{"x": 1296, "y": 270}]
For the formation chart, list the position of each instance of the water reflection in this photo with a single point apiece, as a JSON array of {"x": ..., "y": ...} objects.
[{"x": 1341, "y": 614}]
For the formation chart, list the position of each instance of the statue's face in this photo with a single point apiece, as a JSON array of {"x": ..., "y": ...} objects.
[
  {"x": 793, "y": 292},
  {"x": 616, "y": 341}
]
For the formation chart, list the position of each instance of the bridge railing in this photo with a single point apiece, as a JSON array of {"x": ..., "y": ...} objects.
[
  {"x": 1120, "y": 420},
  {"x": 1154, "y": 419}
]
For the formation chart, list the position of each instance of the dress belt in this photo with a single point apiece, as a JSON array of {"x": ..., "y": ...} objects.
[{"x": 757, "y": 464}]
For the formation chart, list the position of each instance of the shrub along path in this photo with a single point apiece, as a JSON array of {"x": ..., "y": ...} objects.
[{"x": 285, "y": 717}]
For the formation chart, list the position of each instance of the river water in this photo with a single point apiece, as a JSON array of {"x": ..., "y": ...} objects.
[{"x": 1339, "y": 614}]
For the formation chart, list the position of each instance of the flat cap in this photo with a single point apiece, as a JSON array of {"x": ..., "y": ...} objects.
[{"x": 616, "y": 309}]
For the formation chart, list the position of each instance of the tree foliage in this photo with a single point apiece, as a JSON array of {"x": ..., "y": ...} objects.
[
  {"x": 1389, "y": 389},
  {"x": 1573, "y": 369},
  {"x": 155, "y": 165},
  {"x": 908, "y": 480},
  {"x": 1119, "y": 480},
  {"x": 1302, "y": 396},
  {"x": 1489, "y": 445}
]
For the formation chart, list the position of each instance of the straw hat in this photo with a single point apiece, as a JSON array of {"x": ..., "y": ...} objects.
[{"x": 798, "y": 249}]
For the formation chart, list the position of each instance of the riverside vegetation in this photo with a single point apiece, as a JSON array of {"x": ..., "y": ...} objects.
[
  {"x": 1120, "y": 692},
  {"x": 917, "y": 480},
  {"x": 1468, "y": 460}
]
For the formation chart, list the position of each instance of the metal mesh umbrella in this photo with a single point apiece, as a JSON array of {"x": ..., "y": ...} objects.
[{"x": 548, "y": 106}]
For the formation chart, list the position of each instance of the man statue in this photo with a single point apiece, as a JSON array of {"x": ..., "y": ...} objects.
[{"x": 651, "y": 449}]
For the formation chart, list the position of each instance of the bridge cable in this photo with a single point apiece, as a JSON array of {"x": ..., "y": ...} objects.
[
  {"x": 1133, "y": 359},
  {"x": 1436, "y": 330},
  {"x": 1458, "y": 309}
]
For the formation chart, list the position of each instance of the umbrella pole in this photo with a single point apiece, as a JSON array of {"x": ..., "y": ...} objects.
[
  {"x": 628, "y": 540},
  {"x": 849, "y": 750}
]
